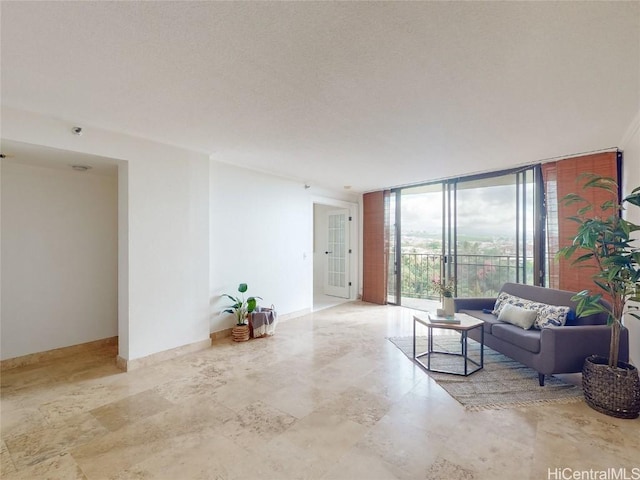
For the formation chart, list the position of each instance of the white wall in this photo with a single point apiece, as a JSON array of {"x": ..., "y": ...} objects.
[
  {"x": 631, "y": 180},
  {"x": 320, "y": 245},
  {"x": 123, "y": 260},
  {"x": 168, "y": 252},
  {"x": 165, "y": 228},
  {"x": 261, "y": 234},
  {"x": 59, "y": 251}
]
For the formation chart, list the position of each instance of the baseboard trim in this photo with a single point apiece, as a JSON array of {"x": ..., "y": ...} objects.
[
  {"x": 56, "y": 353},
  {"x": 128, "y": 365},
  {"x": 221, "y": 334}
]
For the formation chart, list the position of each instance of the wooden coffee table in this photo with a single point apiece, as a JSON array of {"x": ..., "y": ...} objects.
[{"x": 466, "y": 324}]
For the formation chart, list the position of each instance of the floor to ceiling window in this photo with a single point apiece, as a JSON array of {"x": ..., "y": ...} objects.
[
  {"x": 478, "y": 231},
  {"x": 393, "y": 252}
]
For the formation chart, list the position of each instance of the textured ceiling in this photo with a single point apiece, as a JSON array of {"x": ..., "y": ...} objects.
[{"x": 367, "y": 94}]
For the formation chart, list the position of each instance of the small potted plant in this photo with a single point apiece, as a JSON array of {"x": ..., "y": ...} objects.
[
  {"x": 446, "y": 289},
  {"x": 610, "y": 386},
  {"x": 241, "y": 309}
]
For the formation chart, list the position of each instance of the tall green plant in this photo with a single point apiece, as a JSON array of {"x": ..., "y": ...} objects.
[{"x": 606, "y": 240}]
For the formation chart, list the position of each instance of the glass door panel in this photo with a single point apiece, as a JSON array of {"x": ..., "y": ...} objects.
[
  {"x": 393, "y": 294},
  {"x": 421, "y": 245},
  {"x": 337, "y": 266},
  {"x": 493, "y": 233}
]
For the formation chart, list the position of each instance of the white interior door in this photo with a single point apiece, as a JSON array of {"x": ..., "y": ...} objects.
[{"x": 337, "y": 254}]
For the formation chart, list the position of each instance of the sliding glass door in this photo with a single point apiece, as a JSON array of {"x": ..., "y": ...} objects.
[
  {"x": 418, "y": 253},
  {"x": 478, "y": 231}
]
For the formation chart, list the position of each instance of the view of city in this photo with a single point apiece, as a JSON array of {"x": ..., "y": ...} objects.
[{"x": 483, "y": 264}]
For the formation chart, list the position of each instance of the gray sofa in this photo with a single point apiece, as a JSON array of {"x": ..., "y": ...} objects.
[{"x": 555, "y": 349}]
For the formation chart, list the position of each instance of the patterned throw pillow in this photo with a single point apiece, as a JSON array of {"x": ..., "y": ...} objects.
[
  {"x": 500, "y": 301},
  {"x": 548, "y": 315},
  {"x": 551, "y": 316}
]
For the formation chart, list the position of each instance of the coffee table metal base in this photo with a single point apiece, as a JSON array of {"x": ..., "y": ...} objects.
[{"x": 464, "y": 352}]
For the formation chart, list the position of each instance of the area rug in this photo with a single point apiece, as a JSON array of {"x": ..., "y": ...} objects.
[{"x": 502, "y": 383}]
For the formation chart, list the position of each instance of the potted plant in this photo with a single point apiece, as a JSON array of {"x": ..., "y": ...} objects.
[
  {"x": 611, "y": 387},
  {"x": 241, "y": 309},
  {"x": 446, "y": 290}
]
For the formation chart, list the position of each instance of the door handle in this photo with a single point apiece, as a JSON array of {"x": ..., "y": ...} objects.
[{"x": 328, "y": 253}]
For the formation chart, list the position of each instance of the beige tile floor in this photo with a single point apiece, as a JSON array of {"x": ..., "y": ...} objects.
[{"x": 328, "y": 397}]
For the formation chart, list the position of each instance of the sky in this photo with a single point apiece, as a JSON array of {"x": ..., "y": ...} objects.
[{"x": 481, "y": 211}]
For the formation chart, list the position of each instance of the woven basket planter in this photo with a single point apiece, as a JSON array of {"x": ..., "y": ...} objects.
[
  {"x": 612, "y": 391},
  {"x": 240, "y": 333}
]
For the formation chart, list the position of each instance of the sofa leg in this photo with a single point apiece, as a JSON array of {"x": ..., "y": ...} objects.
[{"x": 541, "y": 379}]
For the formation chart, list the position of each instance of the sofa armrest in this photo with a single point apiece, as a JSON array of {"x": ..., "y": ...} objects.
[
  {"x": 474, "y": 303},
  {"x": 563, "y": 349}
]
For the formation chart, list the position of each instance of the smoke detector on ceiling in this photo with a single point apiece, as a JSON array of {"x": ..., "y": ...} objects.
[{"x": 81, "y": 168}]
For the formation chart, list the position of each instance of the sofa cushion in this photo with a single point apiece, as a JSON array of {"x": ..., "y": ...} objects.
[
  {"x": 548, "y": 315},
  {"x": 520, "y": 317},
  {"x": 488, "y": 318},
  {"x": 526, "y": 339}
]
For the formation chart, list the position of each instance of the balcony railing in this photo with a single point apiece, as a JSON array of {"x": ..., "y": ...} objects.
[{"x": 477, "y": 275}]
